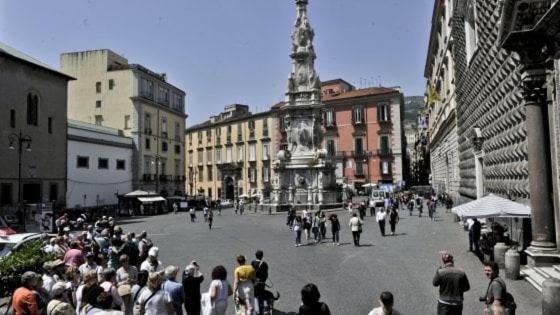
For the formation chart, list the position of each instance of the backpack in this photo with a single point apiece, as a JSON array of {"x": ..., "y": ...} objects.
[{"x": 508, "y": 301}]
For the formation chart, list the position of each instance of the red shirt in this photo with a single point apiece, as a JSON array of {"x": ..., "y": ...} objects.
[{"x": 24, "y": 302}]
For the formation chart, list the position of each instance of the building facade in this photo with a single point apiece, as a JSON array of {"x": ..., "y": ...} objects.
[
  {"x": 506, "y": 75},
  {"x": 441, "y": 107},
  {"x": 230, "y": 155},
  {"x": 32, "y": 131},
  {"x": 363, "y": 133},
  {"x": 99, "y": 165},
  {"x": 113, "y": 93}
]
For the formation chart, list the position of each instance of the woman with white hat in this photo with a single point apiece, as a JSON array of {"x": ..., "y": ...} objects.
[{"x": 152, "y": 264}]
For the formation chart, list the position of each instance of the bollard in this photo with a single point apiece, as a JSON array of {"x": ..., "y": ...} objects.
[
  {"x": 500, "y": 253},
  {"x": 551, "y": 296},
  {"x": 512, "y": 263}
]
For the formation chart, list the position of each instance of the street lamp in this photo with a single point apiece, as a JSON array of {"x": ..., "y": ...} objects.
[{"x": 20, "y": 140}]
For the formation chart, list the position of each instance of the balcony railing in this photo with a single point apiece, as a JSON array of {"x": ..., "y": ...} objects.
[
  {"x": 228, "y": 139},
  {"x": 359, "y": 153},
  {"x": 218, "y": 140},
  {"x": 384, "y": 152},
  {"x": 165, "y": 178}
]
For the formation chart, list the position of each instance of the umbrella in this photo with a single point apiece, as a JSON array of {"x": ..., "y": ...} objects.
[{"x": 492, "y": 206}]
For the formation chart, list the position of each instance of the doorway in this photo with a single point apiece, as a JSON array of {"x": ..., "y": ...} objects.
[{"x": 230, "y": 189}]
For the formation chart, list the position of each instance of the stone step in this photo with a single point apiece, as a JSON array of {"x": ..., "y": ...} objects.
[
  {"x": 556, "y": 267},
  {"x": 533, "y": 277},
  {"x": 551, "y": 272}
]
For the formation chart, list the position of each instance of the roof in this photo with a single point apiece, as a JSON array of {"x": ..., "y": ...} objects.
[
  {"x": 373, "y": 91},
  {"x": 334, "y": 81},
  {"x": 92, "y": 127},
  {"x": 14, "y": 53},
  {"x": 207, "y": 123}
]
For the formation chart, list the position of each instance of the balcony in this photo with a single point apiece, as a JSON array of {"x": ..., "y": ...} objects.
[
  {"x": 265, "y": 133},
  {"x": 359, "y": 154},
  {"x": 165, "y": 178},
  {"x": 384, "y": 152},
  {"x": 179, "y": 178},
  {"x": 218, "y": 140},
  {"x": 147, "y": 177},
  {"x": 239, "y": 138},
  {"x": 228, "y": 139},
  {"x": 252, "y": 134},
  {"x": 148, "y": 131},
  {"x": 164, "y": 134}
]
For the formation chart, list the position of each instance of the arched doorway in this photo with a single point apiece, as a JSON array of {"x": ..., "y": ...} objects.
[{"x": 230, "y": 189}]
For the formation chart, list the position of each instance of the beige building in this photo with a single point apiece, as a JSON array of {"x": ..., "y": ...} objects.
[
  {"x": 230, "y": 155},
  {"x": 111, "y": 92},
  {"x": 32, "y": 131},
  {"x": 442, "y": 119}
]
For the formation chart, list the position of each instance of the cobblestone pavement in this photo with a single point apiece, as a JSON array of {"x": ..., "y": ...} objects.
[{"x": 350, "y": 279}]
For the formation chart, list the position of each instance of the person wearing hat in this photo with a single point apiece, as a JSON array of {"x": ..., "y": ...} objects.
[
  {"x": 452, "y": 283},
  {"x": 90, "y": 264},
  {"x": 59, "y": 304},
  {"x": 152, "y": 264},
  {"x": 23, "y": 299},
  {"x": 48, "y": 276},
  {"x": 192, "y": 278},
  {"x": 174, "y": 289}
]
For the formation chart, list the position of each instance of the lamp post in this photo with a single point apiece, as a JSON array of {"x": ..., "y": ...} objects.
[{"x": 20, "y": 140}]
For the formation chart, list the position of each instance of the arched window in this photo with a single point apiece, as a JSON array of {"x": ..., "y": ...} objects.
[{"x": 32, "y": 109}]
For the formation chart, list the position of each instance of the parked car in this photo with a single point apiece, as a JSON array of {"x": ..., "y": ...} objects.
[{"x": 11, "y": 243}]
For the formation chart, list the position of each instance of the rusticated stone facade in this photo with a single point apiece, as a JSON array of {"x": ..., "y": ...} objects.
[{"x": 490, "y": 111}]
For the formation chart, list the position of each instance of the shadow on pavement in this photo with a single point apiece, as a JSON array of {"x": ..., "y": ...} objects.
[
  {"x": 365, "y": 245},
  {"x": 399, "y": 234},
  {"x": 277, "y": 312}
]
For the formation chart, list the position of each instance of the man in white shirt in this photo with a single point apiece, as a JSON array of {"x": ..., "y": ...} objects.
[
  {"x": 152, "y": 264},
  {"x": 380, "y": 218},
  {"x": 386, "y": 301}
]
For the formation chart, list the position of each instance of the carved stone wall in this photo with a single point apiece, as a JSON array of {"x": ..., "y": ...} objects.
[
  {"x": 489, "y": 97},
  {"x": 445, "y": 162}
]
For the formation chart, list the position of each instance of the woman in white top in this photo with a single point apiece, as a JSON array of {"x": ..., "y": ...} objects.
[
  {"x": 154, "y": 301},
  {"x": 220, "y": 290}
]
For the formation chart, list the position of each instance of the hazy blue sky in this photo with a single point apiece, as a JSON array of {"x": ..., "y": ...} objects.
[{"x": 231, "y": 51}]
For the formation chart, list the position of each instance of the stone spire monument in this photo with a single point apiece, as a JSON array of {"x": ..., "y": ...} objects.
[{"x": 303, "y": 176}]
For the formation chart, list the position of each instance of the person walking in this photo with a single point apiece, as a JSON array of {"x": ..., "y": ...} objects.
[
  {"x": 243, "y": 288},
  {"x": 219, "y": 290},
  {"x": 298, "y": 226},
  {"x": 335, "y": 229},
  {"x": 452, "y": 283},
  {"x": 210, "y": 219},
  {"x": 310, "y": 297},
  {"x": 362, "y": 210},
  {"x": 261, "y": 275},
  {"x": 192, "y": 278},
  {"x": 476, "y": 231},
  {"x": 380, "y": 218},
  {"x": 496, "y": 293},
  {"x": 315, "y": 222},
  {"x": 393, "y": 218},
  {"x": 371, "y": 206},
  {"x": 323, "y": 225},
  {"x": 356, "y": 227},
  {"x": 386, "y": 302},
  {"x": 241, "y": 207},
  {"x": 205, "y": 213},
  {"x": 175, "y": 208},
  {"x": 192, "y": 213}
]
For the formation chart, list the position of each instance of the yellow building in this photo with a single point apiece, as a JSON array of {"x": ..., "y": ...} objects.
[
  {"x": 230, "y": 155},
  {"x": 111, "y": 92}
]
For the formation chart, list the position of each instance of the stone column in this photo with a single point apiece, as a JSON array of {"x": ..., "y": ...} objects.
[{"x": 538, "y": 144}]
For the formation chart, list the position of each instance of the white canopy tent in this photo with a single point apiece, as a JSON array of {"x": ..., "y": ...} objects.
[
  {"x": 492, "y": 206},
  {"x": 137, "y": 193},
  {"x": 150, "y": 199}
]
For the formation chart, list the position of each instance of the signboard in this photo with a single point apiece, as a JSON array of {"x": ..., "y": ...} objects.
[
  {"x": 46, "y": 223},
  {"x": 184, "y": 205}
]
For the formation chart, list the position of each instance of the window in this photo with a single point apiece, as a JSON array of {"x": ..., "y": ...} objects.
[
  {"x": 471, "y": 39},
  {"x": 126, "y": 121},
  {"x": 190, "y": 138},
  {"x": 210, "y": 192},
  {"x": 164, "y": 127},
  {"x": 200, "y": 157},
  {"x": 178, "y": 168},
  {"x": 12, "y": 118},
  {"x": 239, "y": 133},
  {"x": 265, "y": 127},
  {"x": 358, "y": 115},
  {"x": 102, "y": 163},
  {"x": 111, "y": 84},
  {"x": 385, "y": 168},
  {"x": 251, "y": 128},
  {"x": 228, "y": 154},
  {"x": 99, "y": 120},
  {"x": 163, "y": 166},
  {"x": 209, "y": 156},
  {"x": 147, "y": 89},
  {"x": 32, "y": 109},
  {"x": 348, "y": 163},
  {"x": 384, "y": 144},
  {"x": 199, "y": 136},
  {"x": 49, "y": 125},
  {"x": 178, "y": 132},
  {"x": 252, "y": 174},
  {"x": 329, "y": 118},
  {"x": 383, "y": 112},
  {"x": 208, "y": 134},
  {"x": 6, "y": 194},
  {"x": 331, "y": 149},
  {"x": 97, "y": 87},
  {"x": 148, "y": 123},
  {"x": 82, "y": 162},
  {"x": 265, "y": 173},
  {"x": 97, "y": 104},
  {"x": 163, "y": 95},
  {"x": 53, "y": 191},
  {"x": 209, "y": 173},
  {"x": 359, "y": 145},
  {"x": 265, "y": 153},
  {"x": 164, "y": 146},
  {"x": 239, "y": 153},
  {"x": 177, "y": 149},
  {"x": 200, "y": 175},
  {"x": 147, "y": 143},
  {"x": 252, "y": 152},
  {"x": 121, "y": 164},
  {"x": 218, "y": 156},
  {"x": 147, "y": 164}
]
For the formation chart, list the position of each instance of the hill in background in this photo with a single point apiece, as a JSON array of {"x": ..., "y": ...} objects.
[{"x": 412, "y": 105}]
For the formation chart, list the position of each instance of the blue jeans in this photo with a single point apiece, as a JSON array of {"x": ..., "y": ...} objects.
[
  {"x": 298, "y": 237},
  {"x": 447, "y": 309}
]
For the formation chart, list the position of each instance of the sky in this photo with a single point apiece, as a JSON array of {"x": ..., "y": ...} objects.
[{"x": 222, "y": 52}]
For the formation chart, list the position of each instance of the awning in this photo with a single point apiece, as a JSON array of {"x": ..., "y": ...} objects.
[
  {"x": 151, "y": 199},
  {"x": 492, "y": 206},
  {"x": 137, "y": 193}
]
